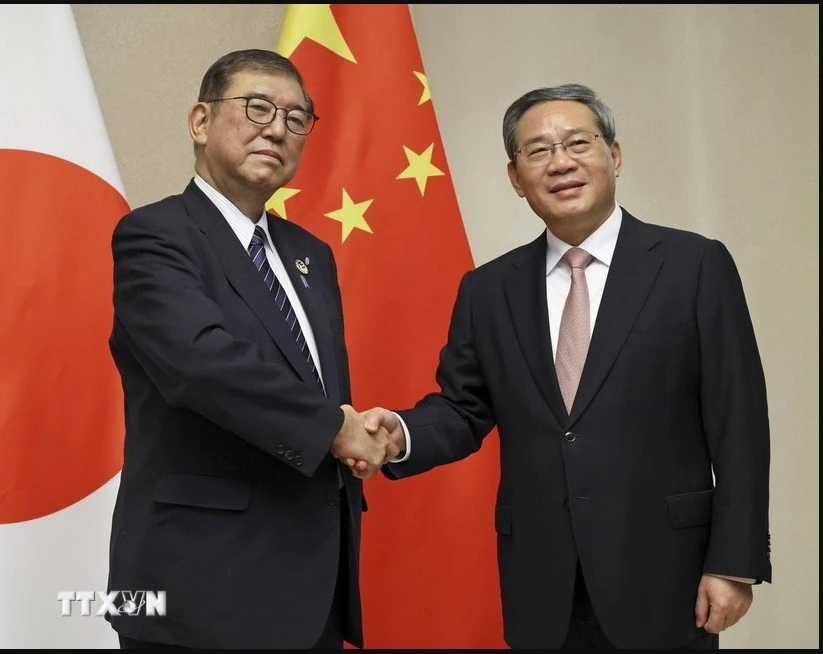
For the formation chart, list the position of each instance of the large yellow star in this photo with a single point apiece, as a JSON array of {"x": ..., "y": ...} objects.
[
  {"x": 277, "y": 202},
  {"x": 350, "y": 214},
  {"x": 315, "y": 22},
  {"x": 426, "y": 95},
  {"x": 420, "y": 167}
]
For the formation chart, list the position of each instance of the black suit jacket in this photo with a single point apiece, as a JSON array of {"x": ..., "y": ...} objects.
[
  {"x": 228, "y": 497},
  {"x": 672, "y": 392}
]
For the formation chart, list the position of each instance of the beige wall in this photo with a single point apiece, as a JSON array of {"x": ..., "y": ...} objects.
[{"x": 717, "y": 113}]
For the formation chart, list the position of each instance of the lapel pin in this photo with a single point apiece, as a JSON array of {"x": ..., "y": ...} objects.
[{"x": 302, "y": 266}]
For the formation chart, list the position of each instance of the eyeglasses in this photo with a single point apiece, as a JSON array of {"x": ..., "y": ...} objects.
[
  {"x": 574, "y": 145},
  {"x": 263, "y": 112}
]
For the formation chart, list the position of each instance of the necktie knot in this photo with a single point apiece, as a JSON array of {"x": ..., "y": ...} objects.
[
  {"x": 258, "y": 238},
  {"x": 577, "y": 258}
]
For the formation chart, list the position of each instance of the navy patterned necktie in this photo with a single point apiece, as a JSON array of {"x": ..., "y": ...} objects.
[{"x": 257, "y": 252}]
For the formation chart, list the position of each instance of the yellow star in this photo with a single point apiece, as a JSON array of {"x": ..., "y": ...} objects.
[
  {"x": 426, "y": 96},
  {"x": 277, "y": 202},
  {"x": 315, "y": 22},
  {"x": 420, "y": 167},
  {"x": 351, "y": 215}
]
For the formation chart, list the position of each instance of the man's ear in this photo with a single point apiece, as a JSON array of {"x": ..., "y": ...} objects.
[
  {"x": 199, "y": 117},
  {"x": 617, "y": 157},
  {"x": 514, "y": 178}
]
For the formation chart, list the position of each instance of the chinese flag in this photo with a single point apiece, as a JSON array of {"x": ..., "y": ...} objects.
[
  {"x": 61, "y": 407},
  {"x": 374, "y": 183}
]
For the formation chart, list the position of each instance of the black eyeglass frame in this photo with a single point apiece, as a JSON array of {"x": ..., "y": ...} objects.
[{"x": 313, "y": 118}]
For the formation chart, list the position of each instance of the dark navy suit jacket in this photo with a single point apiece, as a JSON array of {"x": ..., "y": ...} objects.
[
  {"x": 228, "y": 497},
  {"x": 660, "y": 473}
]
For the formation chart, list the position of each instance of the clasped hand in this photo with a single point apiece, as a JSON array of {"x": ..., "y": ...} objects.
[{"x": 364, "y": 451}]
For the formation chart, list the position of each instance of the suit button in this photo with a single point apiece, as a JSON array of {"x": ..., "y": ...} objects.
[
  {"x": 569, "y": 437},
  {"x": 298, "y": 460},
  {"x": 331, "y": 500},
  {"x": 289, "y": 455},
  {"x": 281, "y": 448}
]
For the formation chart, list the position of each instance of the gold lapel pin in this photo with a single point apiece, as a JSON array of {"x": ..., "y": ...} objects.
[{"x": 302, "y": 265}]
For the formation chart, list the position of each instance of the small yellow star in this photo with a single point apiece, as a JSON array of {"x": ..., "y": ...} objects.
[
  {"x": 315, "y": 22},
  {"x": 277, "y": 202},
  {"x": 420, "y": 167},
  {"x": 350, "y": 215},
  {"x": 426, "y": 96}
]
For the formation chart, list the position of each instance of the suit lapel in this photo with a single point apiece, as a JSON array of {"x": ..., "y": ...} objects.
[
  {"x": 631, "y": 276},
  {"x": 524, "y": 288},
  {"x": 242, "y": 276},
  {"x": 310, "y": 290}
]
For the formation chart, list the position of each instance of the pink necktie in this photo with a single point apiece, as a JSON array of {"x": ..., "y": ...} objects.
[{"x": 573, "y": 341}]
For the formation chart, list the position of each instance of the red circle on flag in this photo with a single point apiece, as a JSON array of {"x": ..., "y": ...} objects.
[{"x": 61, "y": 407}]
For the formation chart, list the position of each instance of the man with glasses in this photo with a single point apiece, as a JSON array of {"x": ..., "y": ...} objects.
[
  {"x": 618, "y": 361},
  {"x": 228, "y": 336}
]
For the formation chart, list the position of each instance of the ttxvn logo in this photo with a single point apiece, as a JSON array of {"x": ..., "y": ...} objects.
[{"x": 117, "y": 602}]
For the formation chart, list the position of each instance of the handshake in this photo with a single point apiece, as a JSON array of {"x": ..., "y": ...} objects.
[{"x": 368, "y": 440}]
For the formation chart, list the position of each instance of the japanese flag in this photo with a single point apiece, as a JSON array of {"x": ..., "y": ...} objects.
[{"x": 61, "y": 408}]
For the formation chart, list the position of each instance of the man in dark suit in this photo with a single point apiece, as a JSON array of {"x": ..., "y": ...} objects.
[
  {"x": 228, "y": 336},
  {"x": 632, "y": 510}
]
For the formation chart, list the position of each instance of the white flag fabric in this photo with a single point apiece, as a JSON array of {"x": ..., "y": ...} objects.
[{"x": 61, "y": 413}]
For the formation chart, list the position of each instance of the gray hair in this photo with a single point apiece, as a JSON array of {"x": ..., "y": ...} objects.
[
  {"x": 603, "y": 116},
  {"x": 220, "y": 73}
]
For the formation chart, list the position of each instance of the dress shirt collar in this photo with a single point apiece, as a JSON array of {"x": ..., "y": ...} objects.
[
  {"x": 600, "y": 244},
  {"x": 240, "y": 223}
]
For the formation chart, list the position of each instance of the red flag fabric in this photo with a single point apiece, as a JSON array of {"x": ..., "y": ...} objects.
[
  {"x": 61, "y": 407},
  {"x": 375, "y": 184}
]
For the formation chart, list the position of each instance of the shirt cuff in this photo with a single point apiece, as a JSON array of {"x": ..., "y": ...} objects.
[
  {"x": 403, "y": 455},
  {"x": 745, "y": 580}
]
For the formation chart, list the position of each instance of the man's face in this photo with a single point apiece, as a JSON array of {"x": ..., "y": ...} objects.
[
  {"x": 573, "y": 194},
  {"x": 244, "y": 160}
]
